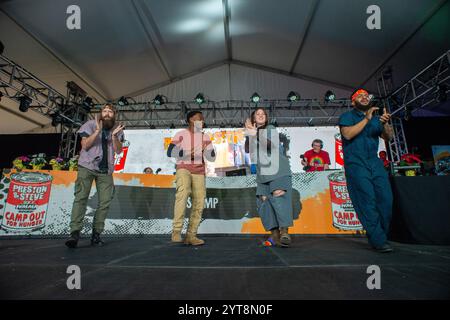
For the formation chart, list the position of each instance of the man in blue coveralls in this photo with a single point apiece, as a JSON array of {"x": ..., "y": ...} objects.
[{"x": 367, "y": 180}]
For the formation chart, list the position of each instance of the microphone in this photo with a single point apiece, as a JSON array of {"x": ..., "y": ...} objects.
[
  {"x": 374, "y": 102},
  {"x": 375, "y": 98},
  {"x": 302, "y": 156},
  {"x": 158, "y": 170}
]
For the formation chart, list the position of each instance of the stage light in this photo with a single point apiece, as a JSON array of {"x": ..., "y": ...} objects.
[
  {"x": 152, "y": 127},
  {"x": 200, "y": 98},
  {"x": 172, "y": 126},
  {"x": 441, "y": 93},
  {"x": 56, "y": 119},
  {"x": 87, "y": 104},
  {"x": 75, "y": 90},
  {"x": 255, "y": 98},
  {"x": 330, "y": 96},
  {"x": 24, "y": 103},
  {"x": 122, "y": 101},
  {"x": 159, "y": 100},
  {"x": 310, "y": 122},
  {"x": 293, "y": 96}
]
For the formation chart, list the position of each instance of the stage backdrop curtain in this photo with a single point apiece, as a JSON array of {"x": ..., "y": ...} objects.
[{"x": 16, "y": 145}]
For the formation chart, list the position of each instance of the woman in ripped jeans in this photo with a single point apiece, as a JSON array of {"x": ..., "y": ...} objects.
[{"x": 274, "y": 177}]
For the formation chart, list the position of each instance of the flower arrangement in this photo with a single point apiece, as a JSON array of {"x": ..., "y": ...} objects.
[
  {"x": 409, "y": 159},
  {"x": 73, "y": 164},
  {"x": 57, "y": 163},
  {"x": 21, "y": 162},
  {"x": 38, "y": 161}
]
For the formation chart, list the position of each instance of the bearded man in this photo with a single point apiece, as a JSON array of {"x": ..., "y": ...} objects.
[
  {"x": 100, "y": 138},
  {"x": 367, "y": 180}
]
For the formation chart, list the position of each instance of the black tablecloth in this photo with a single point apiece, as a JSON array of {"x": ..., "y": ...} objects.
[{"x": 421, "y": 212}]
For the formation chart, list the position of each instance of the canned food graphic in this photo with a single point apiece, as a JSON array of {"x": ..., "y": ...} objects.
[
  {"x": 119, "y": 159},
  {"x": 344, "y": 215},
  {"x": 27, "y": 201},
  {"x": 339, "y": 154}
]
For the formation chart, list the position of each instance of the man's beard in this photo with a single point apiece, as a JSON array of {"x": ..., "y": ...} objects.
[
  {"x": 108, "y": 123},
  {"x": 362, "y": 107}
]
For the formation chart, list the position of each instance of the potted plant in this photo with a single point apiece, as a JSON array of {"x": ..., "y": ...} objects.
[
  {"x": 21, "y": 162},
  {"x": 57, "y": 163},
  {"x": 73, "y": 164},
  {"x": 38, "y": 161},
  {"x": 410, "y": 159}
]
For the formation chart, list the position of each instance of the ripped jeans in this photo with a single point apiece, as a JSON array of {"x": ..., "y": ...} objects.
[{"x": 274, "y": 203}]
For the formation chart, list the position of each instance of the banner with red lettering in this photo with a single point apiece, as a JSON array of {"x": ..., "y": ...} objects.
[{"x": 40, "y": 203}]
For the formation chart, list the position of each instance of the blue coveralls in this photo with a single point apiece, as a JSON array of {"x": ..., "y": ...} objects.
[{"x": 367, "y": 180}]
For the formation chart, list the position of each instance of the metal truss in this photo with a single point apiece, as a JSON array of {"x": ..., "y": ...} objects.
[
  {"x": 397, "y": 146},
  {"x": 232, "y": 113},
  {"x": 78, "y": 113},
  {"x": 16, "y": 82},
  {"x": 421, "y": 91}
]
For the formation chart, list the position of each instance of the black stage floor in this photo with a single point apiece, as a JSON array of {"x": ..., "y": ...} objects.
[{"x": 234, "y": 267}]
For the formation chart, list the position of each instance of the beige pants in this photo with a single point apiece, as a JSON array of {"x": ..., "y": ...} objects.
[{"x": 187, "y": 184}]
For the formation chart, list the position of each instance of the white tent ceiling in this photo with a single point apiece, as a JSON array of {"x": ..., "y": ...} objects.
[{"x": 140, "y": 47}]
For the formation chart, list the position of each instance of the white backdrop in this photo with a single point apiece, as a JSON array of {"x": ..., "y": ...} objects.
[{"x": 147, "y": 147}]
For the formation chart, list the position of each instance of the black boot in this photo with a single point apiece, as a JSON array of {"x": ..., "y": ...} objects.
[
  {"x": 95, "y": 240},
  {"x": 385, "y": 248},
  {"x": 285, "y": 238},
  {"x": 72, "y": 242}
]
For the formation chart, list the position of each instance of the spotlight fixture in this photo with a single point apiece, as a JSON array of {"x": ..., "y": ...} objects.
[
  {"x": 122, "y": 101},
  {"x": 24, "y": 103},
  {"x": 152, "y": 126},
  {"x": 255, "y": 98},
  {"x": 75, "y": 90},
  {"x": 87, "y": 104},
  {"x": 329, "y": 96},
  {"x": 159, "y": 100},
  {"x": 172, "y": 126},
  {"x": 310, "y": 122},
  {"x": 56, "y": 119},
  {"x": 293, "y": 96},
  {"x": 200, "y": 98}
]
